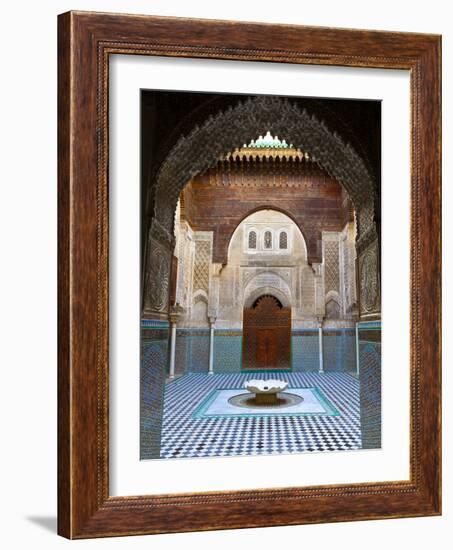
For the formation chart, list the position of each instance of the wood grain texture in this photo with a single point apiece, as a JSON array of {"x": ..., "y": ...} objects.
[
  {"x": 64, "y": 388},
  {"x": 266, "y": 336},
  {"x": 219, "y": 200},
  {"x": 85, "y": 42}
]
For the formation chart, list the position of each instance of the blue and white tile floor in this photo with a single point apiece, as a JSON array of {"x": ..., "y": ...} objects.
[{"x": 186, "y": 433}]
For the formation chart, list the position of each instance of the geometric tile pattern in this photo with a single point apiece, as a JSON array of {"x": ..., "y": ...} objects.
[
  {"x": 154, "y": 344},
  {"x": 349, "y": 350},
  {"x": 339, "y": 350},
  {"x": 370, "y": 398},
  {"x": 227, "y": 351},
  {"x": 184, "y": 436},
  {"x": 305, "y": 350},
  {"x": 192, "y": 350}
]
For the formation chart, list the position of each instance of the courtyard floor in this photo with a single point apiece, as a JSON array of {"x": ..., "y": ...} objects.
[{"x": 199, "y": 422}]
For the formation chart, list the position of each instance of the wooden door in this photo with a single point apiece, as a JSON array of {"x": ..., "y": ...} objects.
[
  {"x": 266, "y": 348},
  {"x": 266, "y": 335}
]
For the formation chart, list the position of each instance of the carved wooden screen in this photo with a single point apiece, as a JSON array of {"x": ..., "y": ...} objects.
[{"x": 266, "y": 335}]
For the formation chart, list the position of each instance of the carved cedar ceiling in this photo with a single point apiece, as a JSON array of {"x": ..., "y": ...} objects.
[
  {"x": 196, "y": 152},
  {"x": 237, "y": 186}
]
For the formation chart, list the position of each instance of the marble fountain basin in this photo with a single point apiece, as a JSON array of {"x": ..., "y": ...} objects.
[{"x": 265, "y": 391}]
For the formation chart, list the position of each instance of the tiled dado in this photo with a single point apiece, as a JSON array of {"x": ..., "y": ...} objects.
[
  {"x": 153, "y": 331},
  {"x": 370, "y": 383},
  {"x": 339, "y": 347},
  {"x": 227, "y": 351},
  {"x": 305, "y": 350},
  {"x": 339, "y": 351},
  {"x": 154, "y": 353},
  {"x": 192, "y": 350}
]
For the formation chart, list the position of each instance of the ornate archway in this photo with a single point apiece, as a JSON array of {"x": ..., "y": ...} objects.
[
  {"x": 298, "y": 225},
  {"x": 230, "y": 130}
]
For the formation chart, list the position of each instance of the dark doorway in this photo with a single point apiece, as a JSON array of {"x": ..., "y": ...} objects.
[{"x": 267, "y": 335}]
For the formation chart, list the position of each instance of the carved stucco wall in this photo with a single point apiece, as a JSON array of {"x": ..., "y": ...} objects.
[
  {"x": 199, "y": 150},
  {"x": 331, "y": 265},
  {"x": 369, "y": 273},
  {"x": 340, "y": 273},
  {"x": 203, "y": 246},
  {"x": 229, "y": 130},
  {"x": 157, "y": 273},
  {"x": 348, "y": 269},
  {"x": 252, "y": 273},
  {"x": 225, "y": 290},
  {"x": 185, "y": 252}
]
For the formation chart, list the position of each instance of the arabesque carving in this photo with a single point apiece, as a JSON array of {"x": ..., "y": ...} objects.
[
  {"x": 369, "y": 281},
  {"x": 228, "y": 130}
]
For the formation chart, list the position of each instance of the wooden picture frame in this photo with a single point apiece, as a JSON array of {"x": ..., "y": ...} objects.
[{"x": 85, "y": 41}]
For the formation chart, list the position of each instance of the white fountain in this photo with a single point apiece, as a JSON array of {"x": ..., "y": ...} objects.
[{"x": 266, "y": 391}]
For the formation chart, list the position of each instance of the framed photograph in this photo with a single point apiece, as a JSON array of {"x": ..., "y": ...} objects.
[{"x": 249, "y": 275}]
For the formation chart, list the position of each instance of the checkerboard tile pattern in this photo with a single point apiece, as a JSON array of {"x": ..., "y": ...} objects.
[{"x": 186, "y": 437}]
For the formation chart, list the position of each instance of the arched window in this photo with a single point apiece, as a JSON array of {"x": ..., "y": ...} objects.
[
  {"x": 267, "y": 239},
  {"x": 252, "y": 239},
  {"x": 283, "y": 240}
]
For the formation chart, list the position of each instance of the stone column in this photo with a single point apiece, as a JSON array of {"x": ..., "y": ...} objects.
[
  {"x": 321, "y": 353},
  {"x": 173, "y": 322},
  {"x": 213, "y": 308},
  {"x": 357, "y": 349},
  {"x": 211, "y": 345},
  {"x": 174, "y": 316},
  {"x": 320, "y": 307},
  {"x": 214, "y": 290}
]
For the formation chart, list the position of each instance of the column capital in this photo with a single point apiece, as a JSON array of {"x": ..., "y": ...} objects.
[
  {"x": 216, "y": 269},
  {"x": 317, "y": 269},
  {"x": 175, "y": 314},
  {"x": 321, "y": 353},
  {"x": 211, "y": 344}
]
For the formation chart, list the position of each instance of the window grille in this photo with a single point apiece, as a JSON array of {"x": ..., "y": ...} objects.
[
  {"x": 283, "y": 240},
  {"x": 252, "y": 239}
]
